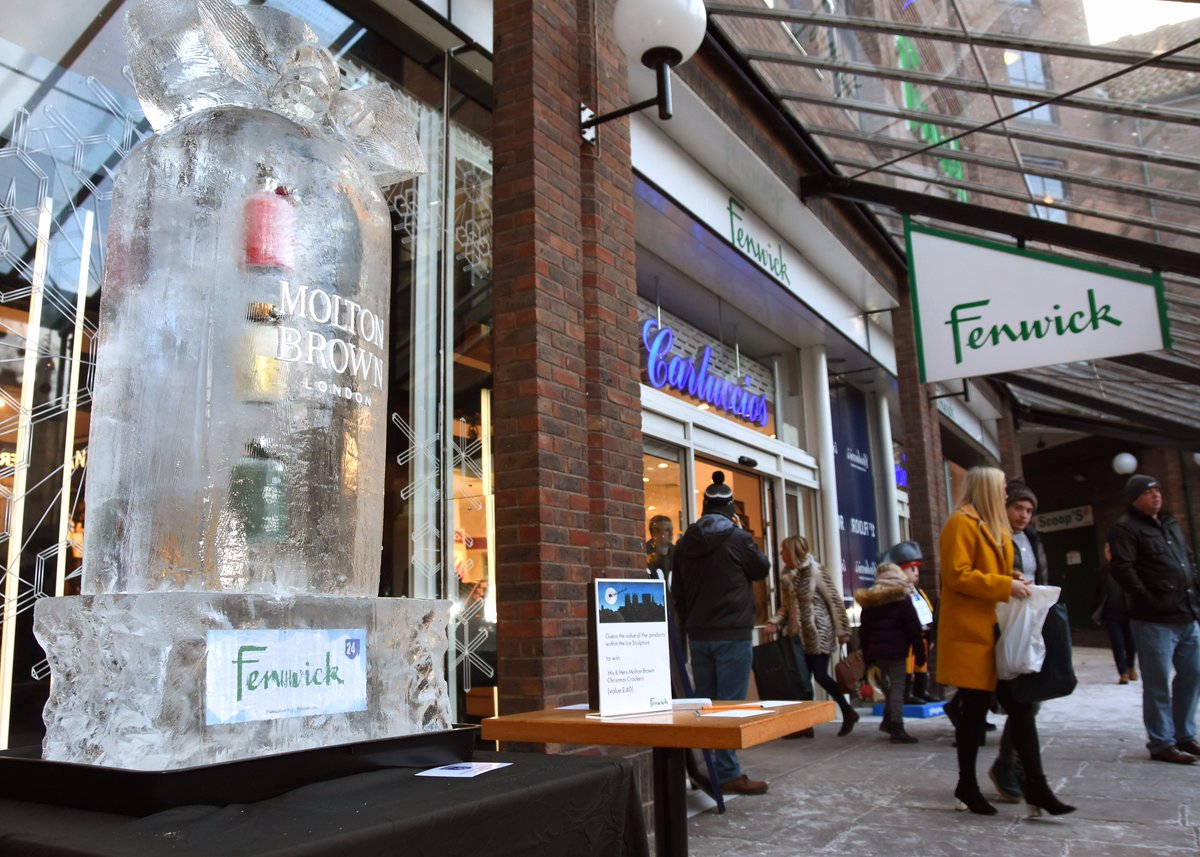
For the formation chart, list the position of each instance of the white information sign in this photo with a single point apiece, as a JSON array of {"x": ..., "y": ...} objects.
[
  {"x": 273, "y": 674},
  {"x": 632, "y": 649},
  {"x": 1063, "y": 519},
  {"x": 980, "y": 308}
]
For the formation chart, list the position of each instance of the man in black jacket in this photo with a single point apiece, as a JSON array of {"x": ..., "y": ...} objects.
[
  {"x": 716, "y": 562},
  {"x": 1154, "y": 567}
]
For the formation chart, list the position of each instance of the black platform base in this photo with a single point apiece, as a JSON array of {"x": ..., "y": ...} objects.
[{"x": 24, "y": 775}]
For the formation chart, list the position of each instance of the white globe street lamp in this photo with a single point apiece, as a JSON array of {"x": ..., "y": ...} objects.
[
  {"x": 660, "y": 34},
  {"x": 1124, "y": 463}
]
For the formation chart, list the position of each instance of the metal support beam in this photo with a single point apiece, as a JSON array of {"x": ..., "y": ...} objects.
[
  {"x": 980, "y": 87},
  {"x": 1003, "y": 41},
  {"x": 1144, "y": 253}
]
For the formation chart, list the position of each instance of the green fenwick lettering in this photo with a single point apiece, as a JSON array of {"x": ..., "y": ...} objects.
[
  {"x": 771, "y": 259},
  {"x": 241, "y": 661},
  {"x": 252, "y": 680},
  {"x": 1061, "y": 323}
]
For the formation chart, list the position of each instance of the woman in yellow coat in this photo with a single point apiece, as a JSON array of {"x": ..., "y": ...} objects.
[{"x": 977, "y": 573}]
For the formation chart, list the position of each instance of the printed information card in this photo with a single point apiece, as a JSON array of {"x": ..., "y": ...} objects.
[{"x": 632, "y": 648}]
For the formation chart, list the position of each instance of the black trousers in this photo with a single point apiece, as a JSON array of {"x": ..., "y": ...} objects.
[{"x": 1021, "y": 728}]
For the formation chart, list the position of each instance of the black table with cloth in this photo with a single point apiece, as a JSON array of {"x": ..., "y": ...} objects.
[{"x": 539, "y": 805}]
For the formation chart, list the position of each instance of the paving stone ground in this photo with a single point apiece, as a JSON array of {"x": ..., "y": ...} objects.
[{"x": 862, "y": 796}]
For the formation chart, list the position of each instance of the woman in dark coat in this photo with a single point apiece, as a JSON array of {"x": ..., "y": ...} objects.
[{"x": 890, "y": 627}]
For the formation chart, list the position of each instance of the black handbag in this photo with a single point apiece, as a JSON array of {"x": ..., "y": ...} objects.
[
  {"x": 1057, "y": 676},
  {"x": 777, "y": 673}
]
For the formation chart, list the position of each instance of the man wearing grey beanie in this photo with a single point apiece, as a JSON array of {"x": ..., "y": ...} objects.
[
  {"x": 1153, "y": 565},
  {"x": 716, "y": 564}
]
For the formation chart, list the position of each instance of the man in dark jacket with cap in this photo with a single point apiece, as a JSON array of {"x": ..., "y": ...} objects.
[
  {"x": 1154, "y": 567},
  {"x": 716, "y": 562}
]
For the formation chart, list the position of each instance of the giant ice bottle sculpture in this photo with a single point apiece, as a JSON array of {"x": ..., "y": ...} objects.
[{"x": 234, "y": 490}]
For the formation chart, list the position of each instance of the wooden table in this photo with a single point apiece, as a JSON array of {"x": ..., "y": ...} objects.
[{"x": 669, "y": 734}]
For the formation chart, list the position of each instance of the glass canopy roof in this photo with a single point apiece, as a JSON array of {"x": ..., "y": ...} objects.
[{"x": 1008, "y": 105}]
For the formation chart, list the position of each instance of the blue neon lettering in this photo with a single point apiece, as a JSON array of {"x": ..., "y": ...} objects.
[{"x": 664, "y": 369}]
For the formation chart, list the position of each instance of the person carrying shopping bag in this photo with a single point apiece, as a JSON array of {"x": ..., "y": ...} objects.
[
  {"x": 977, "y": 573},
  {"x": 813, "y": 616}
]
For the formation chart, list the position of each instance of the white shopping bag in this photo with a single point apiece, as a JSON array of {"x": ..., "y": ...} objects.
[{"x": 1021, "y": 648}]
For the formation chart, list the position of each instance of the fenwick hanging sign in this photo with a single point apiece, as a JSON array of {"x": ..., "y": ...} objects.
[{"x": 980, "y": 308}]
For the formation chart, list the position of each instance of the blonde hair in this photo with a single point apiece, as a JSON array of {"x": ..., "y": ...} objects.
[
  {"x": 795, "y": 548},
  {"x": 984, "y": 488}
]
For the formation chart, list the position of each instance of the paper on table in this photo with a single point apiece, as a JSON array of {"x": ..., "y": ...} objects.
[{"x": 463, "y": 769}]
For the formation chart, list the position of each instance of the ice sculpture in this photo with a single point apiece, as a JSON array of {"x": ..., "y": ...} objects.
[{"x": 234, "y": 490}]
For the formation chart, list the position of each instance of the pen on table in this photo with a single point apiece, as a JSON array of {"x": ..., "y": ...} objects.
[{"x": 729, "y": 707}]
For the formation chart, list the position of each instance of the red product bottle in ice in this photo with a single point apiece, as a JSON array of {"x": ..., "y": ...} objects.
[{"x": 269, "y": 221}]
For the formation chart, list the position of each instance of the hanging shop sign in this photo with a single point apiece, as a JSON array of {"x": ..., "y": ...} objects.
[
  {"x": 1017, "y": 309},
  {"x": 692, "y": 376}
]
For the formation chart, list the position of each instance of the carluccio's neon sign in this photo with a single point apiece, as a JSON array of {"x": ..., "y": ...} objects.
[{"x": 692, "y": 378}]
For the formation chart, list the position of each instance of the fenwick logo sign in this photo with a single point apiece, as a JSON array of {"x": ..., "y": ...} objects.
[
  {"x": 269, "y": 674},
  {"x": 985, "y": 335},
  {"x": 768, "y": 257},
  {"x": 691, "y": 376},
  {"x": 981, "y": 308}
]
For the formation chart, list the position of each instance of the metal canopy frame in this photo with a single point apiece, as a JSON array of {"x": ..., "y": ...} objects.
[{"x": 1118, "y": 161}]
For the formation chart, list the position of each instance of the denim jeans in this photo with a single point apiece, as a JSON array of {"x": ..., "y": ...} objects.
[
  {"x": 1168, "y": 705},
  {"x": 721, "y": 670}
]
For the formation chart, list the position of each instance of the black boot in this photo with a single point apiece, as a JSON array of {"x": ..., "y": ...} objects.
[
  {"x": 909, "y": 698},
  {"x": 885, "y": 725},
  {"x": 899, "y": 736},
  {"x": 849, "y": 718},
  {"x": 1039, "y": 798},
  {"x": 921, "y": 687},
  {"x": 970, "y": 798}
]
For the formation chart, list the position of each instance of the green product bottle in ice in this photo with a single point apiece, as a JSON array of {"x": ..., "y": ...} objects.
[{"x": 258, "y": 494}]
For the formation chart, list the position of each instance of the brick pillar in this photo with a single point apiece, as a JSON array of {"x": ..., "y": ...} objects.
[
  {"x": 927, "y": 502},
  {"x": 610, "y": 309},
  {"x": 1009, "y": 442},
  {"x": 567, "y": 442}
]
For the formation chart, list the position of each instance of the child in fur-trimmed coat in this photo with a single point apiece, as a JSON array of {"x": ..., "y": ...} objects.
[{"x": 889, "y": 628}]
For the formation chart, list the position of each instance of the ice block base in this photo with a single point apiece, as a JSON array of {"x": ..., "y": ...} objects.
[{"x": 128, "y": 675}]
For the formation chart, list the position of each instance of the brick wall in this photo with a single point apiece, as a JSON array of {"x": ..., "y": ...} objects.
[
  {"x": 540, "y": 410},
  {"x": 567, "y": 414},
  {"x": 928, "y": 504}
]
